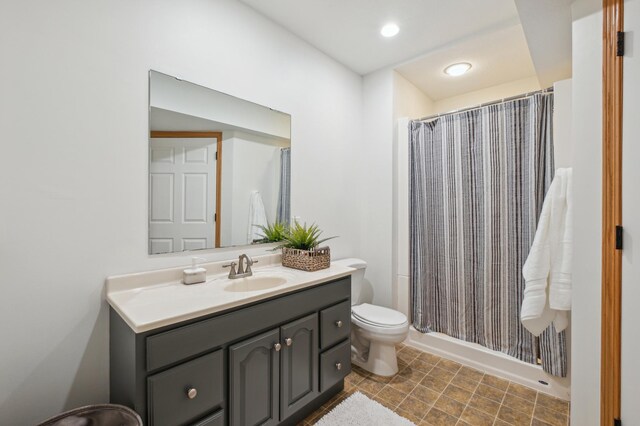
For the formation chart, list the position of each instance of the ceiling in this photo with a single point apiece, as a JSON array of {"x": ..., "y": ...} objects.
[
  {"x": 349, "y": 30},
  {"x": 547, "y": 26},
  {"x": 498, "y": 57},
  {"x": 505, "y": 40}
]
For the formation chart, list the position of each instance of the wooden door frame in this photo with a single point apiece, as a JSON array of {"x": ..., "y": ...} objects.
[
  {"x": 612, "y": 78},
  {"x": 218, "y": 137}
]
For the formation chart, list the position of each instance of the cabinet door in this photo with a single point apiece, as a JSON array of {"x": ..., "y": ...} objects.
[
  {"x": 299, "y": 364},
  {"x": 254, "y": 382}
]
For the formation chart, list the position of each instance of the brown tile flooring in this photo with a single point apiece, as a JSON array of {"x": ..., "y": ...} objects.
[{"x": 429, "y": 390}]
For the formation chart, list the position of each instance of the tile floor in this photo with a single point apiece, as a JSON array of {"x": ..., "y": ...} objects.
[{"x": 429, "y": 390}]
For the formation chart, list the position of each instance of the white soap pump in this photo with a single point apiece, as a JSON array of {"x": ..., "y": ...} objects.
[{"x": 196, "y": 274}]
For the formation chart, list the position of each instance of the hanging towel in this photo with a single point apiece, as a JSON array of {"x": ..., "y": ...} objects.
[
  {"x": 257, "y": 217},
  {"x": 547, "y": 271}
]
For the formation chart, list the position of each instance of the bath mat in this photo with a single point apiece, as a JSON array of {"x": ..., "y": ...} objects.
[{"x": 358, "y": 410}]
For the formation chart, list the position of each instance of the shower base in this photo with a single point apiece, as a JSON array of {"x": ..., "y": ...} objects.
[{"x": 491, "y": 362}]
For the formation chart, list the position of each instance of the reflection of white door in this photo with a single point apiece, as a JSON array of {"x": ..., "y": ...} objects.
[{"x": 182, "y": 194}]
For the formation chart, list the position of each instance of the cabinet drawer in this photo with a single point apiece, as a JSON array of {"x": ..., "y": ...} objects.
[
  {"x": 335, "y": 364},
  {"x": 216, "y": 420},
  {"x": 170, "y": 401},
  {"x": 335, "y": 324}
]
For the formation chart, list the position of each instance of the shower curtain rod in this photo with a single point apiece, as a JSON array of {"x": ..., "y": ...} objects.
[{"x": 499, "y": 101}]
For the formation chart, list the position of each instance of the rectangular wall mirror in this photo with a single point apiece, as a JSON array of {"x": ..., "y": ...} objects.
[{"x": 219, "y": 167}]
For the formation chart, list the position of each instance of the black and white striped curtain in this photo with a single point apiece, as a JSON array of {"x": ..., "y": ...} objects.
[
  {"x": 283, "y": 213},
  {"x": 477, "y": 184}
]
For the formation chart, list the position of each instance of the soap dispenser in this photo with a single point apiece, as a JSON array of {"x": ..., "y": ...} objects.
[{"x": 196, "y": 274}]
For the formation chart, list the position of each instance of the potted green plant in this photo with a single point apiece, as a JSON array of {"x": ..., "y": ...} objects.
[{"x": 300, "y": 248}]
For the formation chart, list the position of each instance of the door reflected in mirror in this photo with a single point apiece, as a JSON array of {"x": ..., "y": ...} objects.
[{"x": 219, "y": 167}]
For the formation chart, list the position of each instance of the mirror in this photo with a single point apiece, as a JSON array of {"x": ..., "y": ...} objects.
[{"x": 219, "y": 166}]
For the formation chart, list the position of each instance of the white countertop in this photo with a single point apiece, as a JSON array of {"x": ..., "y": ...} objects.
[{"x": 156, "y": 299}]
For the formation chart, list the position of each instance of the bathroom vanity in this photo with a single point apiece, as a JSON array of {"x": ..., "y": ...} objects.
[{"x": 268, "y": 349}]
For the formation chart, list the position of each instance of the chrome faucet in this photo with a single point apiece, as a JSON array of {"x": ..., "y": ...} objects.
[{"x": 241, "y": 271}]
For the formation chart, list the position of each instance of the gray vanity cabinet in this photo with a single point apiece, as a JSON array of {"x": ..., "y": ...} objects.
[
  {"x": 270, "y": 362},
  {"x": 254, "y": 380}
]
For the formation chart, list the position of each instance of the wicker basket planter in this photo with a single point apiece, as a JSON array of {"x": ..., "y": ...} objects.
[{"x": 306, "y": 260}]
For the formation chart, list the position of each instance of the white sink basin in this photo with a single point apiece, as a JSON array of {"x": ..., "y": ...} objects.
[{"x": 254, "y": 283}]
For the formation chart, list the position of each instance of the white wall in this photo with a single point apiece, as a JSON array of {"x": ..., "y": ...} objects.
[
  {"x": 401, "y": 299},
  {"x": 587, "y": 196},
  {"x": 489, "y": 94},
  {"x": 408, "y": 100},
  {"x": 386, "y": 96},
  {"x": 372, "y": 161},
  {"x": 409, "y": 103},
  {"x": 562, "y": 121},
  {"x": 631, "y": 219},
  {"x": 73, "y": 118}
]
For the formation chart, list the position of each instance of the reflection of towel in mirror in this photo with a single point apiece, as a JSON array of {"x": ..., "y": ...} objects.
[
  {"x": 257, "y": 217},
  {"x": 547, "y": 271}
]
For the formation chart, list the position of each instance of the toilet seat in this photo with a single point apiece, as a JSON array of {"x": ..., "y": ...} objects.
[{"x": 379, "y": 319}]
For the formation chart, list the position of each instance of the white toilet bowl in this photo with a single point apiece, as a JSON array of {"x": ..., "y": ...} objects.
[{"x": 375, "y": 329}]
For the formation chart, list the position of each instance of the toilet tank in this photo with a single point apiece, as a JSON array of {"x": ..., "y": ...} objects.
[{"x": 357, "y": 277}]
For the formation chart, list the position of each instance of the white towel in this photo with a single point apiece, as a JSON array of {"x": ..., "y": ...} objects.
[
  {"x": 257, "y": 217},
  {"x": 547, "y": 271}
]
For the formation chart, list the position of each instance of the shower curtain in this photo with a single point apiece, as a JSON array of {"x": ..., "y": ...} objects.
[
  {"x": 283, "y": 212},
  {"x": 477, "y": 184}
]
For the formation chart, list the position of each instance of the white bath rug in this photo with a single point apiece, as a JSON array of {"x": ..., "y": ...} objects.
[{"x": 358, "y": 410}]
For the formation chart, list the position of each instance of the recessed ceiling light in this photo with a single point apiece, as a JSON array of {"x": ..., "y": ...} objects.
[
  {"x": 390, "y": 30},
  {"x": 457, "y": 69}
]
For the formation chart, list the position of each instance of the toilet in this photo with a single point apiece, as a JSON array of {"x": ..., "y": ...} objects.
[{"x": 375, "y": 330}]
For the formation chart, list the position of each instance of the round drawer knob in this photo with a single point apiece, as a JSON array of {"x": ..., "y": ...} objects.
[
  {"x": 338, "y": 366},
  {"x": 339, "y": 324},
  {"x": 288, "y": 341},
  {"x": 192, "y": 393},
  {"x": 277, "y": 347}
]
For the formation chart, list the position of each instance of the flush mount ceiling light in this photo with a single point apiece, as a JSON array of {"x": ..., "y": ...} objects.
[
  {"x": 455, "y": 70},
  {"x": 389, "y": 30}
]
